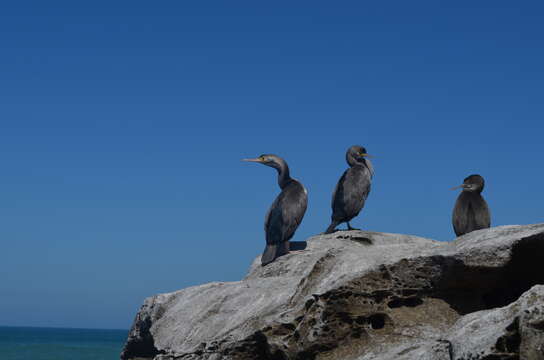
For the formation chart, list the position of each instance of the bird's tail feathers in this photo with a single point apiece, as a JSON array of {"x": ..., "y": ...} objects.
[
  {"x": 273, "y": 251},
  {"x": 269, "y": 254},
  {"x": 331, "y": 227},
  {"x": 283, "y": 249}
]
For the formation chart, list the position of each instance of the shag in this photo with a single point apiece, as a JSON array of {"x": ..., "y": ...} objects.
[
  {"x": 352, "y": 189},
  {"x": 471, "y": 211},
  {"x": 285, "y": 213}
]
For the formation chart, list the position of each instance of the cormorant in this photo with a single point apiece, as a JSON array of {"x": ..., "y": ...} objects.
[
  {"x": 352, "y": 189},
  {"x": 285, "y": 213},
  {"x": 471, "y": 211}
]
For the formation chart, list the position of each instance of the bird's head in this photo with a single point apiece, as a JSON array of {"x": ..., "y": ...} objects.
[
  {"x": 472, "y": 183},
  {"x": 356, "y": 154},
  {"x": 269, "y": 160}
]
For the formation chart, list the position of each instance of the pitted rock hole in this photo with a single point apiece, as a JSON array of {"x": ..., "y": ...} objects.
[
  {"x": 377, "y": 321},
  {"x": 409, "y": 302}
]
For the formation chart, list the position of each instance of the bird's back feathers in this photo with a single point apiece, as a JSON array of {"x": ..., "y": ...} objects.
[
  {"x": 470, "y": 213},
  {"x": 282, "y": 220},
  {"x": 350, "y": 193}
]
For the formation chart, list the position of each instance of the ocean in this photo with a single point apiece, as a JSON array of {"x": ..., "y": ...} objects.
[{"x": 28, "y": 343}]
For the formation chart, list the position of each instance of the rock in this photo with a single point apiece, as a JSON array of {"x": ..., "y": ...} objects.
[
  {"x": 363, "y": 295},
  {"x": 497, "y": 333}
]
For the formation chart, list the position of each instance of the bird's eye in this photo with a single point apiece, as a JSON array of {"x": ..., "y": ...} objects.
[{"x": 262, "y": 158}]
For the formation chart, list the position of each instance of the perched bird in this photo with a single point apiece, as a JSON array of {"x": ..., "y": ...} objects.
[
  {"x": 471, "y": 211},
  {"x": 285, "y": 213},
  {"x": 352, "y": 189}
]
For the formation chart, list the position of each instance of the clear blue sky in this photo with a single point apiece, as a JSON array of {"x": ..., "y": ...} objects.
[{"x": 122, "y": 126}]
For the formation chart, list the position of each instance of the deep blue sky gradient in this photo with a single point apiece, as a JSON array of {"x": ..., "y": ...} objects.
[{"x": 122, "y": 126}]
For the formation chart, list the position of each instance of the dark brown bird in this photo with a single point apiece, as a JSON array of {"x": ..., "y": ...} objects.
[
  {"x": 471, "y": 211},
  {"x": 285, "y": 213},
  {"x": 352, "y": 189}
]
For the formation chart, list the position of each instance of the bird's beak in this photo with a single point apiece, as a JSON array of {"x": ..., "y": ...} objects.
[
  {"x": 464, "y": 186},
  {"x": 366, "y": 155},
  {"x": 257, "y": 160}
]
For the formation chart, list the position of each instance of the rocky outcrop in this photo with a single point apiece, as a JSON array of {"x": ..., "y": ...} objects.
[{"x": 363, "y": 295}]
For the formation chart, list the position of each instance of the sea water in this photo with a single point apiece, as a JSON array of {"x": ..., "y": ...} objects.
[{"x": 29, "y": 343}]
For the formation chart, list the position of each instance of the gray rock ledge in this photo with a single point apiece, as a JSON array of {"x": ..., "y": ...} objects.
[{"x": 363, "y": 295}]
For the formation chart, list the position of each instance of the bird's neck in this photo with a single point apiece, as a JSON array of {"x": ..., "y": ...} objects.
[
  {"x": 473, "y": 193},
  {"x": 350, "y": 160},
  {"x": 369, "y": 166},
  {"x": 283, "y": 175},
  {"x": 366, "y": 163}
]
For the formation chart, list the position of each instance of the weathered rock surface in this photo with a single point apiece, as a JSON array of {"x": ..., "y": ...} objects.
[{"x": 363, "y": 295}]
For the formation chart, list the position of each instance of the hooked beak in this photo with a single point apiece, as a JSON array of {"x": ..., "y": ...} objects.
[{"x": 257, "y": 160}]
